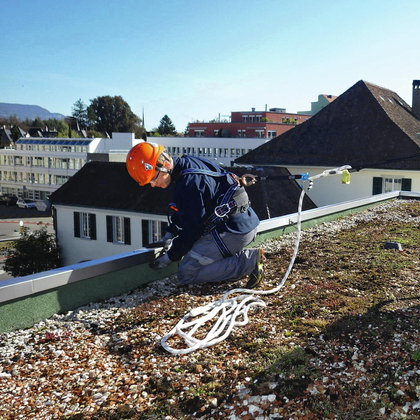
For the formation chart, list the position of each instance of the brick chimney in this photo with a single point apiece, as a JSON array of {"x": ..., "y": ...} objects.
[{"x": 415, "y": 107}]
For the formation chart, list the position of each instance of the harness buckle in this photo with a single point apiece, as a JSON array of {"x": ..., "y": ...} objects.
[{"x": 224, "y": 209}]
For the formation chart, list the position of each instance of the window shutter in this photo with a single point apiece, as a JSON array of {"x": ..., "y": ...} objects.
[
  {"x": 377, "y": 185},
  {"x": 406, "y": 184},
  {"x": 109, "y": 230},
  {"x": 127, "y": 231},
  {"x": 54, "y": 218},
  {"x": 76, "y": 218},
  {"x": 92, "y": 224},
  {"x": 145, "y": 232},
  {"x": 163, "y": 226}
]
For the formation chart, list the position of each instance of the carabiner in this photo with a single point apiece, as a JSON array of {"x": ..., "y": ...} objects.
[{"x": 251, "y": 182}]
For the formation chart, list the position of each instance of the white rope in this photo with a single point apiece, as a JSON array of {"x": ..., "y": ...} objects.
[{"x": 234, "y": 311}]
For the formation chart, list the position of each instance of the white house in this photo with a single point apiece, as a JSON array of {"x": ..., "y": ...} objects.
[{"x": 367, "y": 127}]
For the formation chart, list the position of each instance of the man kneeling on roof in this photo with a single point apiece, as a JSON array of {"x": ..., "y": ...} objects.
[{"x": 212, "y": 223}]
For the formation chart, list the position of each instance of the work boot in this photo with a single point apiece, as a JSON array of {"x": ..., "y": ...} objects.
[{"x": 258, "y": 272}]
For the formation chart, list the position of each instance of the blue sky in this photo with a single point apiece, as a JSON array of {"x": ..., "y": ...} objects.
[{"x": 194, "y": 60}]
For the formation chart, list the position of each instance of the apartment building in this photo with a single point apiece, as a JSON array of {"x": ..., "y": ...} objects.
[
  {"x": 36, "y": 166},
  {"x": 249, "y": 124},
  {"x": 223, "y": 151}
]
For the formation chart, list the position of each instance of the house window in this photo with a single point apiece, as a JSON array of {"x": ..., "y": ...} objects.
[
  {"x": 216, "y": 133},
  {"x": 392, "y": 184},
  {"x": 118, "y": 230},
  {"x": 271, "y": 134},
  {"x": 259, "y": 134},
  {"x": 61, "y": 179},
  {"x": 152, "y": 231},
  {"x": 118, "y": 227},
  {"x": 381, "y": 185},
  {"x": 84, "y": 225},
  {"x": 155, "y": 230},
  {"x": 199, "y": 133},
  {"x": 244, "y": 118}
]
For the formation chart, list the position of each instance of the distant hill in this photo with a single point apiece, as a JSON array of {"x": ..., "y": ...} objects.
[{"x": 28, "y": 111}]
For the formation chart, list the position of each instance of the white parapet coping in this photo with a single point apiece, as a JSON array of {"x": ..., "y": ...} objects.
[
  {"x": 35, "y": 283},
  {"x": 320, "y": 212}
]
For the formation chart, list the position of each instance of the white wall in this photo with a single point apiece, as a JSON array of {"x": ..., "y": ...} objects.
[
  {"x": 330, "y": 190},
  {"x": 75, "y": 249},
  {"x": 117, "y": 142},
  {"x": 213, "y": 143}
]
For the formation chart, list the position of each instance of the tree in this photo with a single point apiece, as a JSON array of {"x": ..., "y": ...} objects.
[
  {"x": 80, "y": 114},
  {"x": 60, "y": 126},
  {"x": 113, "y": 114},
  {"x": 32, "y": 253},
  {"x": 166, "y": 127},
  {"x": 37, "y": 122}
]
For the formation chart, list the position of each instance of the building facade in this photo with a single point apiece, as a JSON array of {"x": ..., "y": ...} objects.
[
  {"x": 36, "y": 166},
  {"x": 321, "y": 103},
  {"x": 223, "y": 151},
  {"x": 249, "y": 124}
]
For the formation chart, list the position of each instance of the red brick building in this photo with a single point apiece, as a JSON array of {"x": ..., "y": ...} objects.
[{"x": 251, "y": 124}]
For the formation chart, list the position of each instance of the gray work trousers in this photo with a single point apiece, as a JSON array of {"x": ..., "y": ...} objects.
[{"x": 205, "y": 263}]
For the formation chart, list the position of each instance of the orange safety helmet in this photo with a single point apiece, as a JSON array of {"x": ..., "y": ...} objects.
[{"x": 141, "y": 161}]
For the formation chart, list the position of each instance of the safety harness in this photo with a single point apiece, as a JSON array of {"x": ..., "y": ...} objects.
[{"x": 234, "y": 200}]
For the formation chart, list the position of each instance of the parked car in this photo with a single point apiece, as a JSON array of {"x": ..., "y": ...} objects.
[
  {"x": 25, "y": 203},
  {"x": 8, "y": 200}
]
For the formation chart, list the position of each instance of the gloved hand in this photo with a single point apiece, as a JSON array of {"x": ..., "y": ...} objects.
[
  {"x": 160, "y": 262},
  {"x": 167, "y": 240}
]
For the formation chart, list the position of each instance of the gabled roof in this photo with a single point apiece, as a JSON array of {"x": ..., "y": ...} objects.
[
  {"x": 6, "y": 138},
  {"x": 366, "y": 126},
  {"x": 107, "y": 185}
]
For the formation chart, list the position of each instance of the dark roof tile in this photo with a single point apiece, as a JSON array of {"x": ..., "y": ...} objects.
[{"x": 107, "y": 185}]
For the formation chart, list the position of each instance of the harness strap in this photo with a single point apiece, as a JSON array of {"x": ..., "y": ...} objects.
[
  {"x": 234, "y": 201},
  {"x": 220, "y": 244}
]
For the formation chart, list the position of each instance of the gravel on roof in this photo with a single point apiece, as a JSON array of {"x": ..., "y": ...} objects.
[{"x": 309, "y": 354}]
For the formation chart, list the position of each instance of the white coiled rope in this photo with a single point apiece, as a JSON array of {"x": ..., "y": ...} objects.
[{"x": 234, "y": 311}]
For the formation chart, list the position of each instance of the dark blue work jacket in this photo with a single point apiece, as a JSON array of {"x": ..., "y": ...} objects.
[{"x": 195, "y": 197}]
